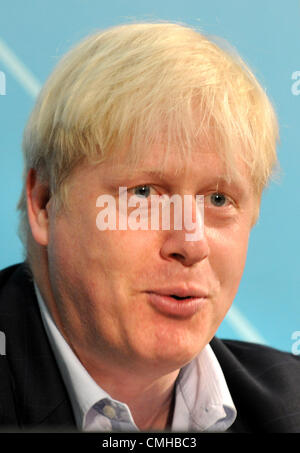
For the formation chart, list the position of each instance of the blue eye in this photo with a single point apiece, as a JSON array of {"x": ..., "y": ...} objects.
[
  {"x": 142, "y": 191},
  {"x": 218, "y": 199}
]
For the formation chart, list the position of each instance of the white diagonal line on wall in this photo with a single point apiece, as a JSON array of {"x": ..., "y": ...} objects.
[
  {"x": 23, "y": 75},
  {"x": 243, "y": 327}
]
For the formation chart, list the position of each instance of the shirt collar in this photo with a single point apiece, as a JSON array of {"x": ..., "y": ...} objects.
[
  {"x": 75, "y": 376},
  {"x": 202, "y": 402}
]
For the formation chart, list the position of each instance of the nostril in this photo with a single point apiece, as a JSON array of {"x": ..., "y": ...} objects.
[{"x": 178, "y": 256}]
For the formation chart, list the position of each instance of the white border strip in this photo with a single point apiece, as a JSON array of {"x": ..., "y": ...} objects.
[{"x": 23, "y": 75}]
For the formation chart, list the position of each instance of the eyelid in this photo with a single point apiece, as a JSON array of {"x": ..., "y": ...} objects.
[
  {"x": 229, "y": 199},
  {"x": 151, "y": 186}
]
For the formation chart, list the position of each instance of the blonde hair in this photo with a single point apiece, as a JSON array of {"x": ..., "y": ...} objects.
[{"x": 133, "y": 84}]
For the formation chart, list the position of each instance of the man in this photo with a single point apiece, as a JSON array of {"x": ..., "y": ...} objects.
[{"x": 110, "y": 323}]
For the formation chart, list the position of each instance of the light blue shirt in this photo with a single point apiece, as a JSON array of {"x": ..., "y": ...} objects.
[{"x": 202, "y": 399}]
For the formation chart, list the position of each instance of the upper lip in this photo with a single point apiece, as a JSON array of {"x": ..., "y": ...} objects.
[{"x": 180, "y": 291}]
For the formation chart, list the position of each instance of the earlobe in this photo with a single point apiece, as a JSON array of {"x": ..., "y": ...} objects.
[{"x": 38, "y": 197}]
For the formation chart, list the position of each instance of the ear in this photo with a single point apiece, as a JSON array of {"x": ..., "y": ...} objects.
[{"x": 38, "y": 196}]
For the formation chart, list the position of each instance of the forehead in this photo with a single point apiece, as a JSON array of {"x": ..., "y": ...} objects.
[{"x": 160, "y": 162}]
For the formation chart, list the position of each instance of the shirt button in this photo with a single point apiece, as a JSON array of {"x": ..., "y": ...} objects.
[{"x": 109, "y": 411}]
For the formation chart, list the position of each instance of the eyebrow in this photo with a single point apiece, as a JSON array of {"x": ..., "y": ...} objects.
[
  {"x": 160, "y": 175},
  {"x": 164, "y": 175},
  {"x": 132, "y": 173}
]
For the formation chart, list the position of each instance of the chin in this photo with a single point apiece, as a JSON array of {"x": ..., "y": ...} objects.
[
  {"x": 171, "y": 355},
  {"x": 168, "y": 363}
]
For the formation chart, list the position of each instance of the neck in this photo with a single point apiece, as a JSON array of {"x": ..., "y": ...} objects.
[{"x": 149, "y": 397}]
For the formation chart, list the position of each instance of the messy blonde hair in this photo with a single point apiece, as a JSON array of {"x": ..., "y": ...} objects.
[{"x": 132, "y": 84}]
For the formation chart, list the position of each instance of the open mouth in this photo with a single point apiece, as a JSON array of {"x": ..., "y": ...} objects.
[{"x": 180, "y": 298}]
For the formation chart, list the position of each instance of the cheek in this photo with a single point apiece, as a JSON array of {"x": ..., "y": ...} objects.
[
  {"x": 228, "y": 257},
  {"x": 126, "y": 249}
]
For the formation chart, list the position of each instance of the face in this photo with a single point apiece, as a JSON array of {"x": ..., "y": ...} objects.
[{"x": 144, "y": 298}]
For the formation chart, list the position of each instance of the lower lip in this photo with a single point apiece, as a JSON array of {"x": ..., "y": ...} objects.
[{"x": 179, "y": 308}]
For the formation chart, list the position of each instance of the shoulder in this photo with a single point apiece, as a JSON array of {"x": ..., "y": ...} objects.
[
  {"x": 260, "y": 359},
  {"x": 16, "y": 269},
  {"x": 6, "y": 273},
  {"x": 256, "y": 356},
  {"x": 262, "y": 363},
  {"x": 264, "y": 384},
  {"x": 32, "y": 391},
  {"x": 16, "y": 284}
]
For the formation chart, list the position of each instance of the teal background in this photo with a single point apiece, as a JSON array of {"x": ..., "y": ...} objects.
[{"x": 34, "y": 34}]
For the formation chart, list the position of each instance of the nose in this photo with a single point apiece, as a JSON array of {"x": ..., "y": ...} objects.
[
  {"x": 181, "y": 246},
  {"x": 188, "y": 253}
]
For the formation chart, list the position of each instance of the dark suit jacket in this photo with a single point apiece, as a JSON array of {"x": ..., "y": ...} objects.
[{"x": 264, "y": 382}]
